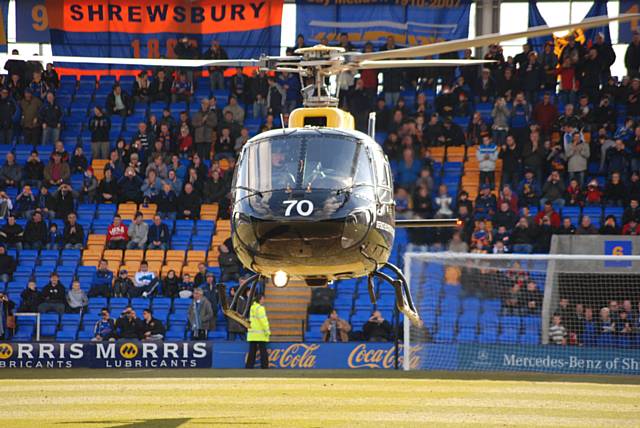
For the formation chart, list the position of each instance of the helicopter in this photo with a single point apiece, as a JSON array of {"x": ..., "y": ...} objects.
[{"x": 314, "y": 201}]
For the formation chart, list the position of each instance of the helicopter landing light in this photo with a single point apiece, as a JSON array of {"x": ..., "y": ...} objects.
[{"x": 280, "y": 279}]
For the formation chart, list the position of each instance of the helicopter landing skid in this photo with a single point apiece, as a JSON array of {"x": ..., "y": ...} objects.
[
  {"x": 231, "y": 310},
  {"x": 404, "y": 302}
]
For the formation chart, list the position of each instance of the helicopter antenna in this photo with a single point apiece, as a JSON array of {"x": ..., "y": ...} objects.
[{"x": 282, "y": 120}]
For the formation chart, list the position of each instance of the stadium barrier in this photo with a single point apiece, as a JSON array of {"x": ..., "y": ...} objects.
[{"x": 309, "y": 356}]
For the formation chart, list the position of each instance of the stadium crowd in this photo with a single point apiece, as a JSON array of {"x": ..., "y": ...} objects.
[{"x": 560, "y": 129}]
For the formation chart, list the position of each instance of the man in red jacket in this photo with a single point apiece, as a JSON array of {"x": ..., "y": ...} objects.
[
  {"x": 545, "y": 113},
  {"x": 117, "y": 234},
  {"x": 548, "y": 211}
]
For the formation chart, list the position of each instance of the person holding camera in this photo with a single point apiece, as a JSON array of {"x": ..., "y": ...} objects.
[
  {"x": 377, "y": 329},
  {"x": 129, "y": 326}
]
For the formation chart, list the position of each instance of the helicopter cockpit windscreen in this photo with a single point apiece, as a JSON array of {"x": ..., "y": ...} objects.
[{"x": 305, "y": 162}]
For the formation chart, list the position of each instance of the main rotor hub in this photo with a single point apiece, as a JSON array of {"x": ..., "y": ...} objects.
[{"x": 319, "y": 52}]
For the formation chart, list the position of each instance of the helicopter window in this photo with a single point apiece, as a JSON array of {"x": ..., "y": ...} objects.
[
  {"x": 315, "y": 121},
  {"x": 304, "y": 162},
  {"x": 382, "y": 177}
]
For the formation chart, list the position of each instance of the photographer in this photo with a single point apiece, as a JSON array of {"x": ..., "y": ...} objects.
[
  {"x": 377, "y": 329},
  {"x": 129, "y": 326}
]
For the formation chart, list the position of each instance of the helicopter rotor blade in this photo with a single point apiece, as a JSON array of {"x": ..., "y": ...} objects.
[
  {"x": 487, "y": 39},
  {"x": 402, "y": 63},
  {"x": 143, "y": 62},
  {"x": 430, "y": 222}
]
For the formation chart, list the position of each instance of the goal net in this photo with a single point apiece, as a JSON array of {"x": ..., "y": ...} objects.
[{"x": 495, "y": 312}]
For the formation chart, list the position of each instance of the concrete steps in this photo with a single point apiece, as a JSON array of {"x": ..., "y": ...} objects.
[{"x": 287, "y": 310}]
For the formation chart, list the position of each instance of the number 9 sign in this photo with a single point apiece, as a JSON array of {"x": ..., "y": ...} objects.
[{"x": 40, "y": 17}]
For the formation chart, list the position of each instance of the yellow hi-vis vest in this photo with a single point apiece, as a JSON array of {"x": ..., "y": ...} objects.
[{"x": 259, "y": 329}]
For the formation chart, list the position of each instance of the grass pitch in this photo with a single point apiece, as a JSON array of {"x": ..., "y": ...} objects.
[{"x": 202, "y": 398}]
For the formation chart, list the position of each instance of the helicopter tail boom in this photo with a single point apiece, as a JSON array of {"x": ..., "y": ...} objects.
[{"x": 432, "y": 222}]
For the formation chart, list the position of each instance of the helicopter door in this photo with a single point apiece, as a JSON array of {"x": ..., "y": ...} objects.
[{"x": 384, "y": 192}]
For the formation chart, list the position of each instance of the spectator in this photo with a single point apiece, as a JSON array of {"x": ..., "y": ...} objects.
[
  {"x": 33, "y": 171},
  {"x": 593, "y": 194},
  {"x": 99, "y": 125},
  {"x": 586, "y": 227},
  {"x": 216, "y": 76},
  {"x": 7, "y": 265},
  {"x": 50, "y": 116},
  {"x": 25, "y": 203},
  {"x": 617, "y": 159},
  {"x": 64, "y": 200},
  {"x": 77, "y": 299},
  {"x": 485, "y": 203},
  {"x": 505, "y": 217},
  {"x": 153, "y": 327},
  {"x": 7, "y": 112},
  {"x": 522, "y": 238},
  {"x": 335, "y": 329},
  {"x": 443, "y": 202},
  {"x": 52, "y": 296},
  {"x": 129, "y": 187},
  {"x": 201, "y": 275},
  {"x": 145, "y": 281},
  {"x": 30, "y": 107},
  {"x": 487, "y": 154},
  {"x": 101, "y": 281},
  {"x": 56, "y": 172},
  {"x": 189, "y": 203},
  {"x": 142, "y": 88},
  {"x": 615, "y": 192},
  {"x": 377, "y": 329},
  {"x": 105, "y": 328},
  {"x": 12, "y": 233},
  {"x": 511, "y": 158},
  {"x": 229, "y": 264},
  {"x": 276, "y": 97},
  {"x": 166, "y": 202},
  {"x": 89, "y": 187},
  {"x": 35, "y": 233},
  {"x": 201, "y": 316},
  {"x": 10, "y": 172},
  {"x": 30, "y": 298},
  {"x": 236, "y": 110},
  {"x": 137, "y": 232},
  {"x": 553, "y": 190},
  {"x": 123, "y": 286},
  {"x": 107, "y": 192},
  {"x": 186, "y": 287},
  {"x": 129, "y": 326},
  {"x": 204, "y": 122},
  {"x": 557, "y": 331},
  {"x": 577, "y": 153},
  {"x": 158, "y": 235},
  {"x": 117, "y": 234},
  {"x": 632, "y": 212},
  {"x": 610, "y": 226},
  {"x": 567, "y": 228},
  {"x": 78, "y": 162},
  {"x": 182, "y": 89},
  {"x": 548, "y": 211},
  {"x": 500, "y": 115},
  {"x": 119, "y": 102},
  {"x": 170, "y": 285},
  {"x": 574, "y": 195},
  {"x": 54, "y": 238}
]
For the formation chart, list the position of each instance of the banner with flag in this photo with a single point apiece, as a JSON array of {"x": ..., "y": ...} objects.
[
  {"x": 4, "y": 17},
  {"x": 151, "y": 28},
  {"x": 410, "y": 23},
  {"x": 536, "y": 20},
  {"x": 626, "y": 29}
]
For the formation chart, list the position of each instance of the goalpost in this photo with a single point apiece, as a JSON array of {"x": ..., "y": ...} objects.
[{"x": 559, "y": 313}]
